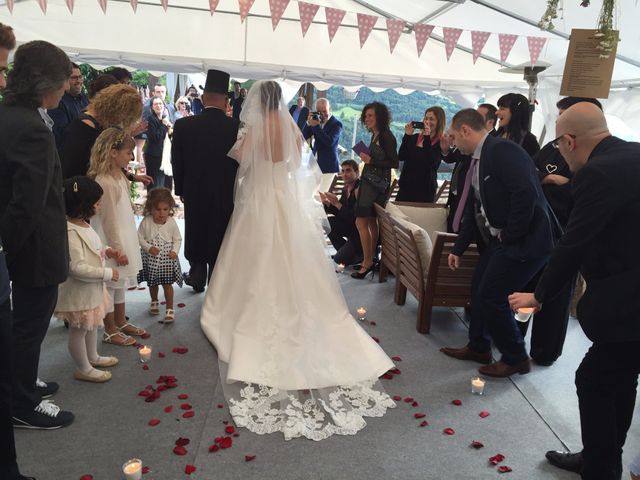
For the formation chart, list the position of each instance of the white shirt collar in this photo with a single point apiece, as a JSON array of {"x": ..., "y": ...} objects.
[{"x": 478, "y": 150}]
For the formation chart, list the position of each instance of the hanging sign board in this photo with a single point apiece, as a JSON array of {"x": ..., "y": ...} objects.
[{"x": 588, "y": 70}]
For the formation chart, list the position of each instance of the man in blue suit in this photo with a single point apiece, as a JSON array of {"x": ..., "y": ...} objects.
[
  {"x": 505, "y": 210},
  {"x": 326, "y": 130}
]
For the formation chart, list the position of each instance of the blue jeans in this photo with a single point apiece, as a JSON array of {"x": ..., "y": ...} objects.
[{"x": 498, "y": 275}]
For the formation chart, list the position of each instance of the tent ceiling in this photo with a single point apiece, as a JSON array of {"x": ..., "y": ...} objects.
[{"x": 187, "y": 39}]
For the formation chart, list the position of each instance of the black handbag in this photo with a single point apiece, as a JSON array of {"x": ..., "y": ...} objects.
[{"x": 380, "y": 184}]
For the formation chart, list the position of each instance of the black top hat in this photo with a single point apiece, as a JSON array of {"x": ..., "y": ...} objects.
[{"x": 217, "y": 82}]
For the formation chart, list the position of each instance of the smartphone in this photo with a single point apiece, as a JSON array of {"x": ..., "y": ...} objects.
[{"x": 418, "y": 125}]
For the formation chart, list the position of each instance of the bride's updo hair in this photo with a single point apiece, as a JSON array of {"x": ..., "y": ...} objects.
[{"x": 271, "y": 94}]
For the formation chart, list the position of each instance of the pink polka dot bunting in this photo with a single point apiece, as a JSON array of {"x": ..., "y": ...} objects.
[
  {"x": 423, "y": 32},
  {"x": 451, "y": 36},
  {"x": 478, "y": 41},
  {"x": 213, "y": 4},
  {"x": 103, "y": 4},
  {"x": 535, "y": 47},
  {"x": 70, "y": 5},
  {"x": 334, "y": 19},
  {"x": 277, "y": 9},
  {"x": 394, "y": 29},
  {"x": 134, "y": 5},
  {"x": 245, "y": 6},
  {"x": 506, "y": 44},
  {"x": 307, "y": 13},
  {"x": 165, "y": 4},
  {"x": 365, "y": 25},
  {"x": 10, "y": 6},
  {"x": 43, "y": 5}
]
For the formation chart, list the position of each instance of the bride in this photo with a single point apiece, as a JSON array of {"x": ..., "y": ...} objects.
[{"x": 292, "y": 358}]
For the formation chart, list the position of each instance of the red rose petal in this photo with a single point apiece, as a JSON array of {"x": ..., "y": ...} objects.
[
  {"x": 145, "y": 335},
  {"x": 248, "y": 458},
  {"x": 229, "y": 429},
  {"x": 477, "y": 445},
  {"x": 214, "y": 448},
  {"x": 387, "y": 376},
  {"x": 449, "y": 431},
  {"x": 457, "y": 402},
  {"x": 180, "y": 350},
  {"x": 182, "y": 441},
  {"x": 372, "y": 323},
  {"x": 88, "y": 477},
  {"x": 397, "y": 398},
  {"x": 226, "y": 442},
  {"x": 181, "y": 305},
  {"x": 504, "y": 469},
  {"x": 225, "y": 422},
  {"x": 145, "y": 367},
  {"x": 142, "y": 288},
  {"x": 161, "y": 355},
  {"x": 395, "y": 371},
  {"x": 183, "y": 396},
  {"x": 396, "y": 359},
  {"x": 153, "y": 422},
  {"x": 168, "y": 409},
  {"x": 236, "y": 434},
  {"x": 220, "y": 405},
  {"x": 408, "y": 399},
  {"x": 189, "y": 469},
  {"x": 161, "y": 388},
  {"x": 419, "y": 415},
  {"x": 163, "y": 302},
  {"x": 414, "y": 404},
  {"x": 424, "y": 423},
  {"x": 145, "y": 470},
  {"x": 131, "y": 288},
  {"x": 484, "y": 414},
  {"x": 188, "y": 414},
  {"x": 180, "y": 450},
  {"x": 186, "y": 406},
  {"x": 496, "y": 459},
  {"x": 376, "y": 339},
  {"x": 144, "y": 393}
]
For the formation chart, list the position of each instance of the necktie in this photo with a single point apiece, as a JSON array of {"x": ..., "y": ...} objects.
[{"x": 463, "y": 198}]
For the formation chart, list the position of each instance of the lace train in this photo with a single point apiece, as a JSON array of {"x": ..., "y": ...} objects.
[{"x": 314, "y": 414}]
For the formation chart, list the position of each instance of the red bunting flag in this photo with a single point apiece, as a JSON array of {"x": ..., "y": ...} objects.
[
  {"x": 134, "y": 5},
  {"x": 165, "y": 4},
  {"x": 422, "y": 35},
  {"x": 103, "y": 5},
  {"x": 365, "y": 25},
  {"x": 277, "y": 9},
  {"x": 213, "y": 4},
  {"x": 70, "y": 5},
  {"x": 43, "y": 6},
  {"x": 10, "y": 6},
  {"x": 478, "y": 41},
  {"x": 451, "y": 36},
  {"x": 535, "y": 47},
  {"x": 334, "y": 19},
  {"x": 245, "y": 6},
  {"x": 307, "y": 12},
  {"x": 394, "y": 29},
  {"x": 506, "y": 44}
]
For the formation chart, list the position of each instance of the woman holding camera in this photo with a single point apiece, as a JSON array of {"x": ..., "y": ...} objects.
[
  {"x": 183, "y": 109},
  {"x": 375, "y": 180},
  {"x": 421, "y": 156}
]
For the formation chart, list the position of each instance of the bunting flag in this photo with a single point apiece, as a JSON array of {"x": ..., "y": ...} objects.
[
  {"x": 165, "y": 4},
  {"x": 451, "y": 36},
  {"x": 394, "y": 29},
  {"x": 535, "y": 47},
  {"x": 134, "y": 5},
  {"x": 103, "y": 5},
  {"x": 365, "y": 25},
  {"x": 334, "y": 19},
  {"x": 70, "y": 5},
  {"x": 277, "y": 9},
  {"x": 245, "y": 6},
  {"x": 307, "y": 13},
  {"x": 423, "y": 32},
  {"x": 10, "y": 6},
  {"x": 506, "y": 44},
  {"x": 478, "y": 41},
  {"x": 213, "y": 4},
  {"x": 43, "y": 6}
]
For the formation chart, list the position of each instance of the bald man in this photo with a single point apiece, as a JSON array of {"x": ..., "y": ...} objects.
[
  {"x": 601, "y": 241},
  {"x": 325, "y": 130}
]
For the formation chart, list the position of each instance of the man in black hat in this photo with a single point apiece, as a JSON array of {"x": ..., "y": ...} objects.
[{"x": 204, "y": 177}]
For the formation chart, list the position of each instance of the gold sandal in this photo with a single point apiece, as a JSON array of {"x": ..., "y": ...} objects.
[
  {"x": 118, "y": 338},
  {"x": 130, "y": 329}
]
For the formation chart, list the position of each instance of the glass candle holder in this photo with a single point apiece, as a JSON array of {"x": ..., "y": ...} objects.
[
  {"x": 524, "y": 314},
  {"x": 132, "y": 469},
  {"x": 362, "y": 313},
  {"x": 340, "y": 268},
  {"x": 477, "y": 386},
  {"x": 145, "y": 353}
]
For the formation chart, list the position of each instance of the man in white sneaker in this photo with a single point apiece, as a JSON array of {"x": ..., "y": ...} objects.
[{"x": 32, "y": 220}]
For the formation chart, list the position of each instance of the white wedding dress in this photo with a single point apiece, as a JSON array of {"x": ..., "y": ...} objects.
[{"x": 292, "y": 358}]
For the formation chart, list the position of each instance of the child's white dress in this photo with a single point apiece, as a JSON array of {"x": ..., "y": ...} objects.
[{"x": 159, "y": 269}]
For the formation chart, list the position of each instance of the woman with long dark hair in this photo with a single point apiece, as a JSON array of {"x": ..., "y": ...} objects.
[
  {"x": 375, "y": 180},
  {"x": 513, "y": 116}
]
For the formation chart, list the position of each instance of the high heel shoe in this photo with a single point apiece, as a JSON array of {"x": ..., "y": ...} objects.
[{"x": 361, "y": 275}]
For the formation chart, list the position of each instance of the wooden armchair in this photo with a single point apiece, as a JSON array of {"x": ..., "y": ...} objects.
[
  {"x": 389, "y": 255},
  {"x": 442, "y": 195}
]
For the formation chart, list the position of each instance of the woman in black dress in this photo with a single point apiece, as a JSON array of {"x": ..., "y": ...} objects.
[
  {"x": 157, "y": 130},
  {"x": 375, "y": 180},
  {"x": 513, "y": 116},
  {"x": 421, "y": 156}
]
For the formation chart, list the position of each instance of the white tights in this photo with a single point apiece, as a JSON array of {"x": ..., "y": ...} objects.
[{"x": 83, "y": 348}]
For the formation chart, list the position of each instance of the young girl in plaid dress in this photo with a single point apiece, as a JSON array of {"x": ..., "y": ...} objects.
[{"x": 160, "y": 241}]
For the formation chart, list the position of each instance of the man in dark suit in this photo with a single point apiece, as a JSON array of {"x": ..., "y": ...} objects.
[
  {"x": 236, "y": 97},
  {"x": 32, "y": 218},
  {"x": 503, "y": 202},
  {"x": 344, "y": 234},
  {"x": 600, "y": 239},
  {"x": 204, "y": 177},
  {"x": 325, "y": 130},
  {"x": 299, "y": 113}
]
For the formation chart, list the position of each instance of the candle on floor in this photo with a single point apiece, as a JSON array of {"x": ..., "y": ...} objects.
[
  {"x": 340, "y": 268},
  {"x": 132, "y": 469},
  {"x": 477, "y": 385},
  {"x": 362, "y": 313},
  {"x": 524, "y": 314},
  {"x": 145, "y": 353}
]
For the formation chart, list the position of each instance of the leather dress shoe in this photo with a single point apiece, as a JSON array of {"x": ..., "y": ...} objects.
[
  {"x": 465, "y": 353},
  {"x": 189, "y": 281},
  {"x": 565, "y": 460},
  {"x": 502, "y": 370}
]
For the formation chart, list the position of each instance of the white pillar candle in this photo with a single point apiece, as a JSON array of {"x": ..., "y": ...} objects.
[
  {"x": 145, "y": 353},
  {"x": 132, "y": 469},
  {"x": 477, "y": 385}
]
